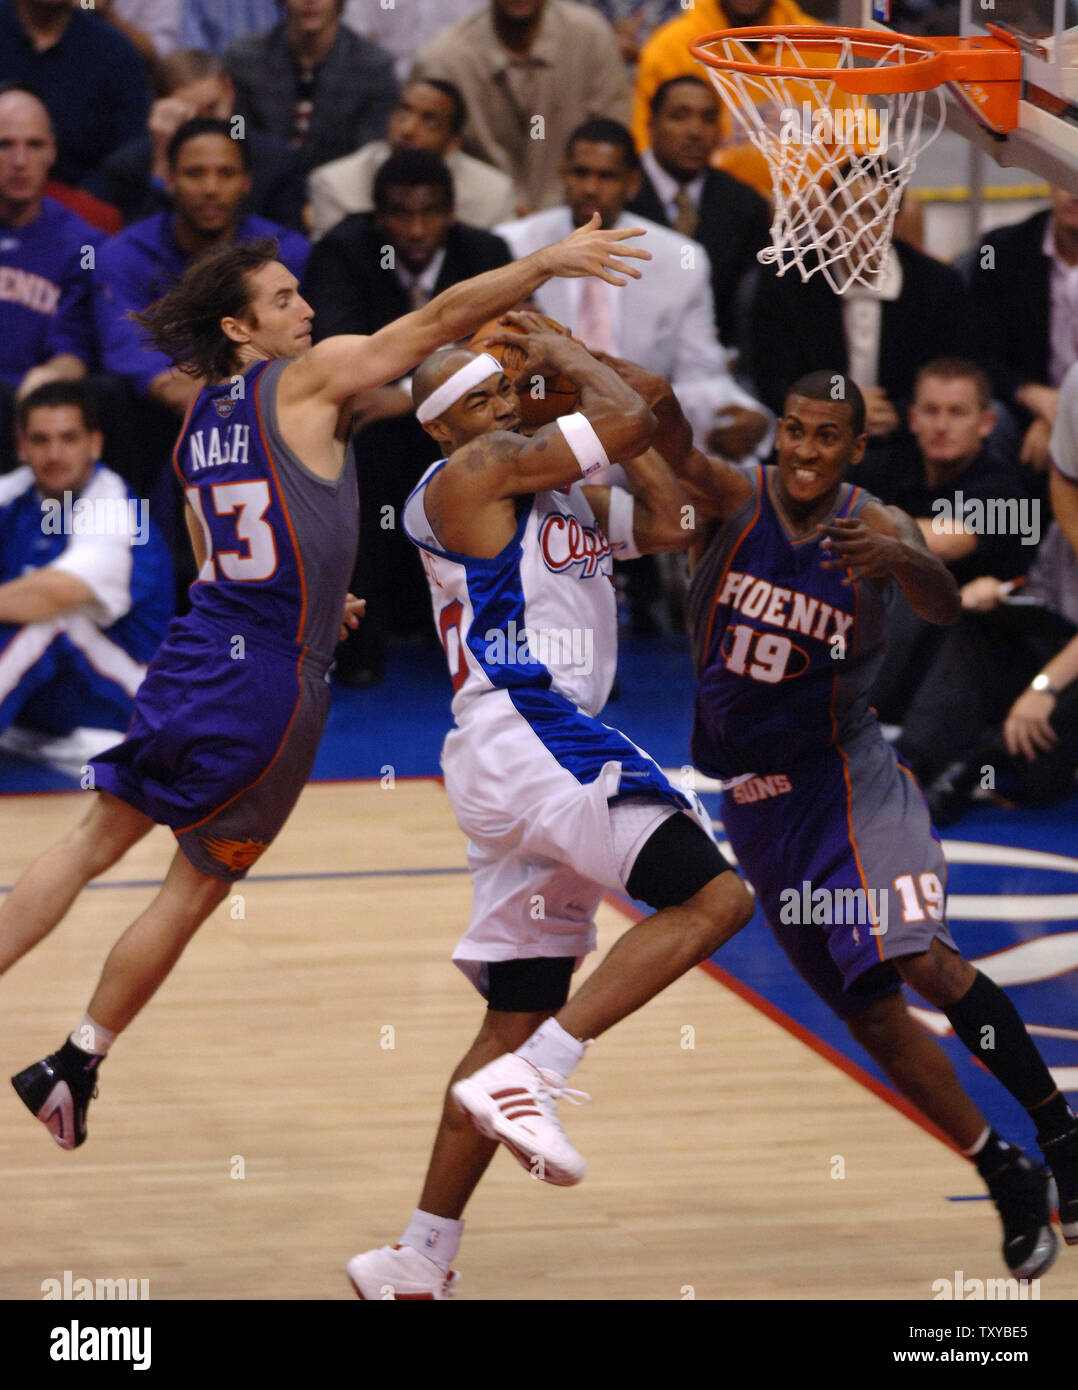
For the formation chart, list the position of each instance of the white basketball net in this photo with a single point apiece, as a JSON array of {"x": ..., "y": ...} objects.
[{"x": 838, "y": 161}]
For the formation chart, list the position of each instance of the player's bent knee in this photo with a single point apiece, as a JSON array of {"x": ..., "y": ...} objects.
[{"x": 724, "y": 906}]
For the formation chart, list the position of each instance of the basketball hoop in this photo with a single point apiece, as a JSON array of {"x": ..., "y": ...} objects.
[{"x": 841, "y": 116}]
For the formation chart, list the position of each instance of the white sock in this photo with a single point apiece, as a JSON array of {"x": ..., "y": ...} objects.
[
  {"x": 437, "y": 1237},
  {"x": 553, "y": 1049},
  {"x": 91, "y": 1037}
]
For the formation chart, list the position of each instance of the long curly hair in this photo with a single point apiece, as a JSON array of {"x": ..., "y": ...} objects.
[{"x": 185, "y": 323}]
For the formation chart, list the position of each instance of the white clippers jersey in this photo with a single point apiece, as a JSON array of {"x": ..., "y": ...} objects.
[{"x": 541, "y": 615}]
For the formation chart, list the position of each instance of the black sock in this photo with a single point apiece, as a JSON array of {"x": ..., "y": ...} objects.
[
  {"x": 995, "y": 1155},
  {"x": 74, "y": 1057},
  {"x": 990, "y": 1026},
  {"x": 1053, "y": 1119}
]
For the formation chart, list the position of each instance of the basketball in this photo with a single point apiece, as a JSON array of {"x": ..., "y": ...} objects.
[{"x": 547, "y": 397}]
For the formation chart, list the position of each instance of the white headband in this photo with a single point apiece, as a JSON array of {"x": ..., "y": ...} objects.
[{"x": 459, "y": 384}]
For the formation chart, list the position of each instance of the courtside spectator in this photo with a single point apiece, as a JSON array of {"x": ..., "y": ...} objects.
[
  {"x": 189, "y": 83},
  {"x": 85, "y": 586},
  {"x": 530, "y": 71},
  {"x": 666, "y": 54},
  {"x": 352, "y": 289},
  {"x": 46, "y": 265},
  {"x": 86, "y": 72},
  {"x": 428, "y": 116},
  {"x": 313, "y": 83},
  {"x": 970, "y": 507},
  {"x": 1024, "y": 284},
  {"x": 678, "y": 189},
  {"x": 997, "y": 710}
]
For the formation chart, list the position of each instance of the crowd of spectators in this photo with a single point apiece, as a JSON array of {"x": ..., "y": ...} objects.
[{"x": 396, "y": 147}]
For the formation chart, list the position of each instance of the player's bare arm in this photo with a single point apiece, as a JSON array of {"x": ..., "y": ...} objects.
[
  {"x": 663, "y": 518},
  {"x": 884, "y": 542},
  {"x": 469, "y": 503},
  {"x": 341, "y": 366},
  {"x": 713, "y": 487}
]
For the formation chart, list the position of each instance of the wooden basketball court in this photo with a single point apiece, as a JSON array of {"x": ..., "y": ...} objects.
[{"x": 270, "y": 1113}]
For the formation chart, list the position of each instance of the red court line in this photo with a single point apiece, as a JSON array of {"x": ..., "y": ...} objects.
[{"x": 803, "y": 1034}]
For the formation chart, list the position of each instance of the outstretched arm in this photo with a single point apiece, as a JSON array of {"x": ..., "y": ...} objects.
[
  {"x": 342, "y": 366},
  {"x": 884, "y": 542}
]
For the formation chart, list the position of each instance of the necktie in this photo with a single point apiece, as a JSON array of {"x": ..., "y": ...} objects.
[
  {"x": 595, "y": 327},
  {"x": 417, "y": 294},
  {"x": 688, "y": 219}
]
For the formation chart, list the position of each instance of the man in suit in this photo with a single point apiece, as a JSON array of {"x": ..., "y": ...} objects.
[
  {"x": 665, "y": 321},
  {"x": 134, "y": 178},
  {"x": 679, "y": 190},
  {"x": 313, "y": 83},
  {"x": 881, "y": 337},
  {"x": 429, "y": 115},
  {"x": 1026, "y": 317},
  {"x": 369, "y": 270}
]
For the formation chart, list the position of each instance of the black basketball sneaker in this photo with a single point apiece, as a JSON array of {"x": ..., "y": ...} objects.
[
  {"x": 1020, "y": 1190},
  {"x": 58, "y": 1090},
  {"x": 1062, "y": 1155}
]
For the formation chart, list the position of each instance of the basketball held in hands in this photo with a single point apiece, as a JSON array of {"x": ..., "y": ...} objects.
[{"x": 541, "y": 400}]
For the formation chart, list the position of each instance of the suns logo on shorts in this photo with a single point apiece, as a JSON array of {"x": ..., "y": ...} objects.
[
  {"x": 233, "y": 854},
  {"x": 563, "y": 542}
]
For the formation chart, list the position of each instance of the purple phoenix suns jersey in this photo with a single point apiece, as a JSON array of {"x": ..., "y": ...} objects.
[
  {"x": 785, "y": 653},
  {"x": 280, "y": 541}
]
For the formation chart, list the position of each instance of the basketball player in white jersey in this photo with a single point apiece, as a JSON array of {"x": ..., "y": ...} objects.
[{"x": 557, "y": 806}]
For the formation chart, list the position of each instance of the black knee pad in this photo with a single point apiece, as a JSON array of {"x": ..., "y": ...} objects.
[
  {"x": 675, "y": 863},
  {"x": 529, "y": 986}
]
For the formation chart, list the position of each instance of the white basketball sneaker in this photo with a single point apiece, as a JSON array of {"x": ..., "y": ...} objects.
[
  {"x": 399, "y": 1273},
  {"x": 514, "y": 1102}
]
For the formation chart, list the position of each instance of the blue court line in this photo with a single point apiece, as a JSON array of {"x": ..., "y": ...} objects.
[
  {"x": 279, "y": 878},
  {"x": 974, "y": 1197}
]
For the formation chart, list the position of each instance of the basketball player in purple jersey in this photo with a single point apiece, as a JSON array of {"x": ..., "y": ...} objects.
[
  {"x": 557, "y": 805},
  {"x": 787, "y": 614},
  {"x": 229, "y": 717}
]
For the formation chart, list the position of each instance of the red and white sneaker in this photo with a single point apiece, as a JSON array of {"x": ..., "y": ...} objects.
[
  {"x": 399, "y": 1273},
  {"x": 514, "y": 1102}
]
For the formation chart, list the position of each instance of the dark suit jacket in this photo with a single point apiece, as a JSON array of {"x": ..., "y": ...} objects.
[
  {"x": 278, "y": 191},
  {"x": 355, "y": 90},
  {"x": 351, "y": 293},
  {"x": 734, "y": 225},
  {"x": 795, "y": 328},
  {"x": 1012, "y": 305}
]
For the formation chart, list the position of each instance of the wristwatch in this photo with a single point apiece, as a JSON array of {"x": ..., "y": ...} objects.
[{"x": 1043, "y": 686}]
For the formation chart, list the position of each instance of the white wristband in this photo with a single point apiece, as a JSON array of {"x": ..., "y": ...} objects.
[
  {"x": 619, "y": 525},
  {"x": 586, "y": 446}
]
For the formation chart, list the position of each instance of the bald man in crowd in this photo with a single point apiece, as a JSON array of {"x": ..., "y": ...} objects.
[{"x": 46, "y": 264}]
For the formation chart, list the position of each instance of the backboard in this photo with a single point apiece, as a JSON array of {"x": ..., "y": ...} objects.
[{"x": 1046, "y": 140}]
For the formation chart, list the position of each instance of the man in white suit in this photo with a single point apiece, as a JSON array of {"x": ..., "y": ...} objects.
[{"x": 665, "y": 321}]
